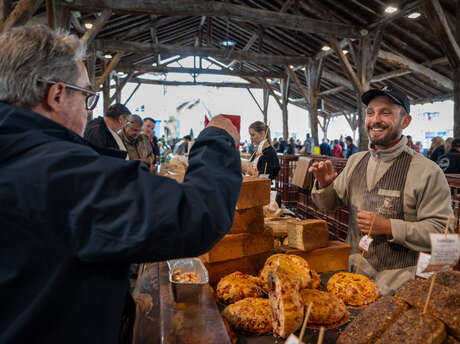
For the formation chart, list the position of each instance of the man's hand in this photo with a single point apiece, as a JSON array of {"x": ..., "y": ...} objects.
[
  {"x": 323, "y": 172},
  {"x": 224, "y": 123},
  {"x": 382, "y": 225}
]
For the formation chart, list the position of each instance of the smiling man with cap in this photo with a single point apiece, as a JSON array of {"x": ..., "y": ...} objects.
[{"x": 406, "y": 193}]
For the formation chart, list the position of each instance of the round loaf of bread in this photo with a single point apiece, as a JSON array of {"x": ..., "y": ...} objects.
[
  {"x": 238, "y": 286},
  {"x": 291, "y": 265},
  {"x": 327, "y": 309},
  {"x": 354, "y": 290},
  {"x": 250, "y": 315}
]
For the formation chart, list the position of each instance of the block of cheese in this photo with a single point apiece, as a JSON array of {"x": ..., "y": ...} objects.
[
  {"x": 233, "y": 246},
  {"x": 306, "y": 235},
  {"x": 278, "y": 225},
  {"x": 249, "y": 265},
  {"x": 250, "y": 220},
  {"x": 333, "y": 257},
  {"x": 254, "y": 192}
]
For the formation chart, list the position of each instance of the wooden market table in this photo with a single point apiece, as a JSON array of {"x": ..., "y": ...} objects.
[
  {"x": 196, "y": 323},
  {"x": 171, "y": 322}
]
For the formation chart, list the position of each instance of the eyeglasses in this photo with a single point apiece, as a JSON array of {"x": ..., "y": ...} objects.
[{"x": 91, "y": 96}]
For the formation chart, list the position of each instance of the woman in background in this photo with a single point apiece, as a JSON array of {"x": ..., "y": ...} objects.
[{"x": 264, "y": 158}]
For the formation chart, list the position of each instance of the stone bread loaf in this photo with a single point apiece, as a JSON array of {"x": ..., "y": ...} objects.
[
  {"x": 413, "y": 327},
  {"x": 238, "y": 286},
  {"x": 326, "y": 309},
  {"x": 444, "y": 301},
  {"x": 371, "y": 323},
  {"x": 286, "y": 304},
  {"x": 250, "y": 315}
]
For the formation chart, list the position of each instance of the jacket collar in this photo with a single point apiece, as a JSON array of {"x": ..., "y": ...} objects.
[{"x": 390, "y": 154}]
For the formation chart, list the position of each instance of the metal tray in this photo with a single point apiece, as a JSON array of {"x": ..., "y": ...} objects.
[{"x": 183, "y": 291}]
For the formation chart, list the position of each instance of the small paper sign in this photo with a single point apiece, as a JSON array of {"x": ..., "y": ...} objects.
[
  {"x": 445, "y": 251},
  {"x": 365, "y": 243},
  {"x": 422, "y": 263},
  {"x": 292, "y": 339}
]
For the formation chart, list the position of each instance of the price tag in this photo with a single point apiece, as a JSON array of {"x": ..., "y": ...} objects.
[
  {"x": 422, "y": 263},
  {"x": 445, "y": 251},
  {"x": 365, "y": 243},
  {"x": 292, "y": 339}
]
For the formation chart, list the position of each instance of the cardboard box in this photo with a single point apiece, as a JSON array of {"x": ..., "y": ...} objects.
[
  {"x": 233, "y": 246},
  {"x": 254, "y": 192},
  {"x": 307, "y": 235},
  {"x": 249, "y": 220},
  {"x": 302, "y": 178}
]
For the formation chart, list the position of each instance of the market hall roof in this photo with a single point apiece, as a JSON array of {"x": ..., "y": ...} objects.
[{"x": 264, "y": 40}]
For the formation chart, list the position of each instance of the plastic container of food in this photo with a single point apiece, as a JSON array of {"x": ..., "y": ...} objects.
[{"x": 187, "y": 277}]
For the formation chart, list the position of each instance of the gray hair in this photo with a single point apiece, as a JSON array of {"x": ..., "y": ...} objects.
[
  {"x": 33, "y": 52},
  {"x": 136, "y": 119}
]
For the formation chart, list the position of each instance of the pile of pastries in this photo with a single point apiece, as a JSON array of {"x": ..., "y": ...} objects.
[{"x": 275, "y": 300}]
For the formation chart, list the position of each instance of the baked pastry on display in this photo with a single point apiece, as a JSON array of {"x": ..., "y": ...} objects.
[
  {"x": 238, "y": 286},
  {"x": 315, "y": 282},
  {"x": 371, "y": 323},
  {"x": 287, "y": 307},
  {"x": 413, "y": 327},
  {"x": 291, "y": 265},
  {"x": 327, "y": 310},
  {"x": 354, "y": 290},
  {"x": 250, "y": 315}
]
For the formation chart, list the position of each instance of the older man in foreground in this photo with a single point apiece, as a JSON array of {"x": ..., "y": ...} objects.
[{"x": 74, "y": 220}]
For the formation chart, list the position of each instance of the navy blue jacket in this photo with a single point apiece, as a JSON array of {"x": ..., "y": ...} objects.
[{"x": 72, "y": 221}]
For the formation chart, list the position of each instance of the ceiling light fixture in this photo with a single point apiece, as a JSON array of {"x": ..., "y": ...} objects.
[
  {"x": 88, "y": 25},
  {"x": 291, "y": 66},
  {"x": 108, "y": 56},
  {"x": 391, "y": 9},
  {"x": 326, "y": 48},
  {"x": 344, "y": 51},
  {"x": 227, "y": 43},
  {"x": 414, "y": 15}
]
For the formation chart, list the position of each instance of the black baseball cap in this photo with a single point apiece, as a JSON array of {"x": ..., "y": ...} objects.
[
  {"x": 456, "y": 143},
  {"x": 396, "y": 95}
]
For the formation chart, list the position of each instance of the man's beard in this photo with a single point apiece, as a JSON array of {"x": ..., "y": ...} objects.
[{"x": 388, "y": 138}]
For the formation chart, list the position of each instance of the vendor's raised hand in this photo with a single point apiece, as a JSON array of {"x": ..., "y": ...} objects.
[
  {"x": 382, "y": 225},
  {"x": 324, "y": 173},
  {"x": 224, "y": 123}
]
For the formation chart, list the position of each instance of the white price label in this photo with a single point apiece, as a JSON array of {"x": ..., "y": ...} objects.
[
  {"x": 365, "y": 243},
  {"x": 422, "y": 263},
  {"x": 445, "y": 251},
  {"x": 292, "y": 339}
]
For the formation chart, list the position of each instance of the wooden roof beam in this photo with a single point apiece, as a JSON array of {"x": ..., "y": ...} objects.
[
  {"x": 147, "y": 48},
  {"x": 97, "y": 27},
  {"x": 113, "y": 63},
  {"x": 192, "y": 83},
  {"x": 23, "y": 11},
  {"x": 221, "y": 9},
  {"x": 152, "y": 69},
  {"x": 405, "y": 62},
  {"x": 442, "y": 30},
  {"x": 255, "y": 36}
]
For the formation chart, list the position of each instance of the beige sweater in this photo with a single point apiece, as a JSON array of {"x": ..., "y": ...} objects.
[{"x": 427, "y": 200}]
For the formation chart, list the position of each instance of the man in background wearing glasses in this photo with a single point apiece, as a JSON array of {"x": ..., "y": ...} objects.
[{"x": 72, "y": 220}]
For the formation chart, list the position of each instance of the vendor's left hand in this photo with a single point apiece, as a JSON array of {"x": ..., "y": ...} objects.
[{"x": 382, "y": 225}]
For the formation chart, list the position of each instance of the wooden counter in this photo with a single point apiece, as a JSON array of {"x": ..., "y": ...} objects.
[{"x": 176, "y": 323}]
